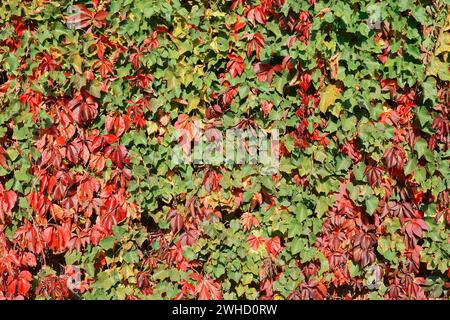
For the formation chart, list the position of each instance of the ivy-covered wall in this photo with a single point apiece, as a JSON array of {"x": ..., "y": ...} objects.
[{"x": 92, "y": 94}]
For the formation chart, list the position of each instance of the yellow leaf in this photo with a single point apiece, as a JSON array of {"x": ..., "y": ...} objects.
[
  {"x": 447, "y": 23},
  {"x": 199, "y": 70},
  {"x": 193, "y": 102},
  {"x": 56, "y": 53},
  {"x": 323, "y": 12},
  {"x": 439, "y": 69},
  {"x": 443, "y": 44},
  {"x": 180, "y": 27},
  {"x": 171, "y": 79},
  {"x": 329, "y": 95},
  {"x": 76, "y": 61},
  {"x": 152, "y": 127},
  {"x": 334, "y": 65},
  {"x": 336, "y": 111},
  {"x": 211, "y": 13},
  {"x": 213, "y": 45},
  {"x": 443, "y": 41}
]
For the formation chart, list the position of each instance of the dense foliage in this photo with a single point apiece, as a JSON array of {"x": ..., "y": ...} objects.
[{"x": 92, "y": 92}]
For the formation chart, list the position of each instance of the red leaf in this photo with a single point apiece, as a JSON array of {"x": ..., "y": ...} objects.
[
  {"x": 73, "y": 151},
  {"x": 211, "y": 180},
  {"x": 208, "y": 289},
  {"x": 248, "y": 220},
  {"x": 266, "y": 107},
  {"x": 29, "y": 237},
  {"x": 84, "y": 108},
  {"x": 97, "y": 162},
  {"x": 254, "y": 242},
  {"x": 99, "y": 18},
  {"x": 80, "y": 17},
  {"x": 265, "y": 71},
  {"x": 254, "y": 39},
  {"x": 235, "y": 65},
  {"x": 373, "y": 175},
  {"x": 57, "y": 237},
  {"x": 28, "y": 259},
  {"x": 23, "y": 284},
  {"x": 414, "y": 228},
  {"x": 105, "y": 67},
  {"x": 273, "y": 246},
  {"x": 118, "y": 155},
  {"x": 258, "y": 13},
  {"x": 7, "y": 202},
  {"x": 187, "y": 129},
  {"x": 3, "y": 158},
  {"x": 176, "y": 220},
  {"x": 395, "y": 157},
  {"x": 189, "y": 237}
]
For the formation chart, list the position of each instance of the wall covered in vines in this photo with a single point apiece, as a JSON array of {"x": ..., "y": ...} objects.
[{"x": 92, "y": 94}]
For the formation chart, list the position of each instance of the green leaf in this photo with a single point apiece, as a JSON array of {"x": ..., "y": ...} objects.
[
  {"x": 189, "y": 254},
  {"x": 371, "y": 204},
  {"x": 423, "y": 116},
  {"x": 410, "y": 166},
  {"x": 343, "y": 163},
  {"x": 296, "y": 245},
  {"x": 328, "y": 97},
  {"x": 107, "y": 243},
  {"x": 95, "y": 88},
  {"x": 421, "y": 147},
  {"x": 429, "y": 90},
  {"x": 105, "y": 280},
  {"x": 76, "y": 62},
  {"x": 12, "y": 63}
]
